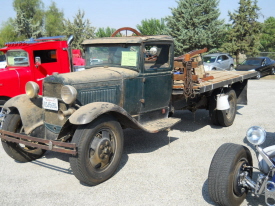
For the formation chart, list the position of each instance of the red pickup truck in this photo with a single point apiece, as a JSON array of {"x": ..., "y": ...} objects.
[{"x": 34, "y": 60}]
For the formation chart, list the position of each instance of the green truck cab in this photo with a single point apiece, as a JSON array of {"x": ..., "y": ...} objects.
[{"x": 128, "y": 82}]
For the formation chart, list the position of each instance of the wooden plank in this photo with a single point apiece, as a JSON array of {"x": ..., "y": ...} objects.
[{"x": 221, "y": 78}]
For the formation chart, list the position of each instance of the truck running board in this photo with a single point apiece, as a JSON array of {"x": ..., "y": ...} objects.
[
  {"x": 160, "y": 124},
  {"x": 56, "y": 146}
]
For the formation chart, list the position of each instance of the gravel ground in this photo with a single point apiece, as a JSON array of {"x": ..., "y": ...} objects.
[{"x": 167, "y": 168}]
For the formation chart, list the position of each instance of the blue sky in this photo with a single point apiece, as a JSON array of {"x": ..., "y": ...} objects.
[{"x": 121, "y": 13}]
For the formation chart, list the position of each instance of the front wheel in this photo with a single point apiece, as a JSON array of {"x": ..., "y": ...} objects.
[
  {"x": 19, "y": 152},
  {"x": 258, "y": 76},
  {"x": 100, "y": 146},
  {"x": 272, "y": 71},
  {"x": 227, "y": 166},
  {"x": 227, "y": 117}
]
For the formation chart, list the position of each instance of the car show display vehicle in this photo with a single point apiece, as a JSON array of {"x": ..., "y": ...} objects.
[
  {"x": 3, "y": 62},
  {"x": 83, "y": 114},
  {"x": 218, "y": 61},
  {"x": 32, "y": 61},
  {"x": 262, "y": 65},
  {"x": 231, "y": 170}
]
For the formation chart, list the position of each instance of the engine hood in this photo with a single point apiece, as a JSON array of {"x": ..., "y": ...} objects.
[{"x": 98, "y": 74}]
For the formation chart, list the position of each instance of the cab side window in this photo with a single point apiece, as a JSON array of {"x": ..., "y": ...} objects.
[
  {"x": 46, "y": 56},
  {"x": 156, "y": 56}
]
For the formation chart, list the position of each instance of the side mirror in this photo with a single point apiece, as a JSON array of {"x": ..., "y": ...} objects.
[{"x": 37, "y": 62}]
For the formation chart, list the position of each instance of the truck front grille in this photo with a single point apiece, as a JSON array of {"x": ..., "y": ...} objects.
[
  {"x": 100, "y": 95},
  {"x": 52, "y": 90}
]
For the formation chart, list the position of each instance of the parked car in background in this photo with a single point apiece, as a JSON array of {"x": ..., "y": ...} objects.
[
  {"x": 263, "y": 66},
  {"x": 3, "y": 62},
  {"x": 218, "y": 61}
]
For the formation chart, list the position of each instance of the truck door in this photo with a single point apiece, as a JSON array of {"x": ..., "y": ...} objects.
[
  {"x": 157, "y": 79},
  {"x": 225, "y": 62},
  {"x": 45, "y": 62}
]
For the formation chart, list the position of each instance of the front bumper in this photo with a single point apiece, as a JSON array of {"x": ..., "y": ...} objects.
[{"x": 56, "y": 146}]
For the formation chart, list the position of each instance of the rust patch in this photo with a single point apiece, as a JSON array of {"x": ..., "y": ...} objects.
[{"x": 56, "y": 146}]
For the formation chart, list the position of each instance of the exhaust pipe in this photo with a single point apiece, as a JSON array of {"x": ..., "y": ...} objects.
[
  {"x": 70, "y": 39},
  {"x": 70, "y": 53}
]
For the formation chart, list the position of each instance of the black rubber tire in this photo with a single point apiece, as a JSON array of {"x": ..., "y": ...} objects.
[
  {"x": 231, "y": 68},
  {"x": 87, "y": 165},
  {"x": 212, "y": 108},
  {"x": 2, "y": 102},
  {"x": 13, "y": 123},
  {"x": 224, "y": 173},
  {"x": 272, "y": 71},
  {"x": 226, "y": 117},
  {"x": 258, "y": 76}
]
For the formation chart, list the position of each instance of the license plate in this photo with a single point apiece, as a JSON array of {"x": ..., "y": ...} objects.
[{"x": 50, "y": 103}]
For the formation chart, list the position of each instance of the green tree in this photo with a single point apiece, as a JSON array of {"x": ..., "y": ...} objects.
[
  {"x": 244, "y": 36},
  {"x": 54, "y": 21},
  {"x": 152, "y": 27},
  {"x": 268, "y": 35},
  {"x": 194, "y": 24},
  {"x": 104, "y": 32},
  {"x": 7, "y": 33},
  {"x": 29, "y": 17},
  {"x": 80, "y": 28}
]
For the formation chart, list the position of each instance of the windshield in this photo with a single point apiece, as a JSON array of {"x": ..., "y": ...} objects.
[
  {"x": 253, "y": 62},
  {"x": 209, "y": 59},
  {"x": 112, "y": 56},
  {"x": 17, "y": 58}
]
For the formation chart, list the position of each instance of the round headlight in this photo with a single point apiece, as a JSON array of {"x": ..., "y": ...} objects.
[
  {"x": 256, "y": 135},
  {"x": 32, "y": 89},
  {"x": 68, "y": 94}
]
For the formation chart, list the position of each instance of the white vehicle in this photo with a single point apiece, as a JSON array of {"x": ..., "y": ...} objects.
[{"x": 3, "y": 62}]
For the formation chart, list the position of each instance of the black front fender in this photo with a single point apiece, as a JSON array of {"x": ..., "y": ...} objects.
[{"x": 89, "y": 112}]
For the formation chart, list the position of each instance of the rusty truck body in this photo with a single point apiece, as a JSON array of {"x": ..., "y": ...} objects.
[{"x": 128, "y": 82}]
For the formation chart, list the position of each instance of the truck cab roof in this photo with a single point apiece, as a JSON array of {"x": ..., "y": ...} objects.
[{"x": 129, "y": 39}]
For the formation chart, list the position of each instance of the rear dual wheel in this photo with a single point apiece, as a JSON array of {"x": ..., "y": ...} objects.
[{"x": 223, "y": 118}]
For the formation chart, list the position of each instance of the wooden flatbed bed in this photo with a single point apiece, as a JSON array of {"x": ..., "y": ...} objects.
[{"x": 219, "y": 79}]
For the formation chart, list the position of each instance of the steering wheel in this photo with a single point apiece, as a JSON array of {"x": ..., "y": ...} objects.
[{"x": 126, "y": 29}]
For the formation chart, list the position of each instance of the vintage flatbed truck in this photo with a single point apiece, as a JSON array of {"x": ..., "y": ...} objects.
[{"x": 129, "y": 82}]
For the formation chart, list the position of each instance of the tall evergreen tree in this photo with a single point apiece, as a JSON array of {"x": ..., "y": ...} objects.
[
  {"x": 80, "y": 28},
  {"x": 54, "y": 24},
  {"x": 244, "y": 36},
  {"x": 152, "y": 27},
  {"x": 194, "y": 24},
  {"x": 268, "y": 35},
  {"x": 29, "y": 18}
]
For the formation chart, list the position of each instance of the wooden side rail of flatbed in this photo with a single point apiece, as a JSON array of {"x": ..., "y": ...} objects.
[{"x": 218, "y": 79}]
